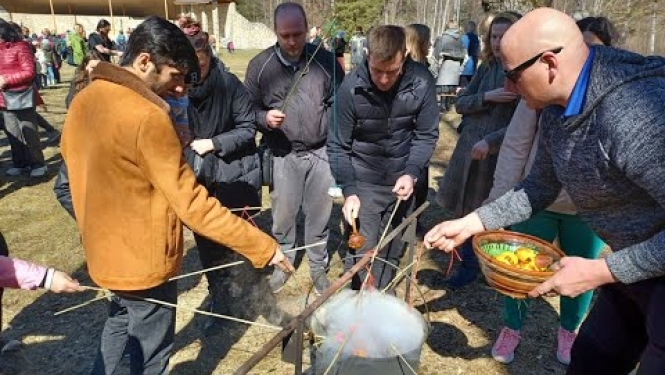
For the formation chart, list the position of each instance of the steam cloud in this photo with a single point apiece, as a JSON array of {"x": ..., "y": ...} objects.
[{"x": 371, "y": 326}]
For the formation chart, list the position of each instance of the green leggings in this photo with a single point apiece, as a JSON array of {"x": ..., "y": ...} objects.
[{"x": 576, "y": 239}]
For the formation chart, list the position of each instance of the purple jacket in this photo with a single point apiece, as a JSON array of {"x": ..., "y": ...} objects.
[{"x": 16, "y": 273}]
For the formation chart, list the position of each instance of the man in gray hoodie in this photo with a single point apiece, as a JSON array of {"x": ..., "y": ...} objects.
[{"x": 603, "y": 140}]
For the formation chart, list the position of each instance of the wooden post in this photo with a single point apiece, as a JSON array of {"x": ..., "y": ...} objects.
[
  {"x": 53, "y": 17},
  {"x": 112, "y": 18},
  {"x": 215, "y": 24},
  {"x": 166, "y": 9}
]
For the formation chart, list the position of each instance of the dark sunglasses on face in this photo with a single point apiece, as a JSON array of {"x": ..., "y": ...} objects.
[{"x": 514, "y": 74}]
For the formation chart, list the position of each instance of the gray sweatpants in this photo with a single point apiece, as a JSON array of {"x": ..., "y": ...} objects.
[
  {"x": 301, "y": 182},
  {"x": 21, "y": 128}
]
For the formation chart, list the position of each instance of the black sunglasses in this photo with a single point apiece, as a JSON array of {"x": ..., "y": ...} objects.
[{"x": 514, "y": 75}]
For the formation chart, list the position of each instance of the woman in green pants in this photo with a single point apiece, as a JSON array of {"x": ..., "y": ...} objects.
[{"x": 559, "y": 221}]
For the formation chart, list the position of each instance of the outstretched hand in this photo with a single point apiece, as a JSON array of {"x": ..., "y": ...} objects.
[
  {"x": 449, "y": 234},
  {"x": 282, "y": 262},
  {"x": 63, "y": 283}
]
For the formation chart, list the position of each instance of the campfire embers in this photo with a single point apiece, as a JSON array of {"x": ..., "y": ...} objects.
[{"x": 374, "y": 333}]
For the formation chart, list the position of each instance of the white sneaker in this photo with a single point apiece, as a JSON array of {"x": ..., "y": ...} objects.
[
  {"x": 38, "y": 172},
  {"x": 15, "y": 171}
]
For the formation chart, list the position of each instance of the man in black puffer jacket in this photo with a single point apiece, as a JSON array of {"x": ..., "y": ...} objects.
[{"x": 388, "y": 125}]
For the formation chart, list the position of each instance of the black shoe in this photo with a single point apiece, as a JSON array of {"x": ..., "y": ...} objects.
[
  {"x": 278, "y": 280},
  {"x": 321, "y": 283},
  {"x": 463, "y": 277},
  {"x": 213, "y": 326}
]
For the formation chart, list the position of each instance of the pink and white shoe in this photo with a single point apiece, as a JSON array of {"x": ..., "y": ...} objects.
[
  {"x": 504, "y": 348},
  {"x": 565, "y": 341}
]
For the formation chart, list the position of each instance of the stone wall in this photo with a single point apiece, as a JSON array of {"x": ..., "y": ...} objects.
[
  {"x": 232, "y": 25},
  {"x": 246, "y": 34},
  {"x": 37, "y": 22}
]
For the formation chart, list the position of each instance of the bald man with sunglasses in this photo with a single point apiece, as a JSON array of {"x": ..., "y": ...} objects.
[{"x": 603, "y": 140}]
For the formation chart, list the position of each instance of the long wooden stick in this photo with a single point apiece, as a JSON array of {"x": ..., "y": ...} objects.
[
  {"x": 379, "y": 246},
  {"x": 72, "y": 308},
  {"x": 176, "y": 306},
  {"x": 339, "y": 352},
  {"x": 403, "y": 359},
  {"x": 246, "y": 209},
  {"x": 277, "y": 339},
  {"x": 397, "y": 277},
  {"x": 414, "y": 275},
  {"x": 227, "y": 265},
  {"x": 164, "y": 303},
  {"x": 222, "y": 266}
]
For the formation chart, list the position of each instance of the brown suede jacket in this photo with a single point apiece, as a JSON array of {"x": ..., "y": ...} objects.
[{"x": 132, "y": 190}]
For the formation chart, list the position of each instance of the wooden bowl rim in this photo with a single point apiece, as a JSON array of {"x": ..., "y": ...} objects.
[{"x": 516, "y": 271}]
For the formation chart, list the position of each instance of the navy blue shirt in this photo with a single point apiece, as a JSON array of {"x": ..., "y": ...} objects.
[{"x": 576, "y": 100}]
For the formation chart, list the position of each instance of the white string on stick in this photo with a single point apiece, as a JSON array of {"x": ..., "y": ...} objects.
[
  {"x": 168, "y": 304},
  {"x": 239, "y": 262},
  {"x": 98, "y": 298}
]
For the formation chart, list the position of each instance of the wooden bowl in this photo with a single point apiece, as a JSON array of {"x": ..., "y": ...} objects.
[{"x": 507, "y": 279}]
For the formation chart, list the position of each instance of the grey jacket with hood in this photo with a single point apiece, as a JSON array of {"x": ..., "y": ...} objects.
[{"x": 611, "y": 161}]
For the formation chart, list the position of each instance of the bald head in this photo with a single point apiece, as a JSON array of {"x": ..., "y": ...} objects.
[{"x": 553, "y": 39}]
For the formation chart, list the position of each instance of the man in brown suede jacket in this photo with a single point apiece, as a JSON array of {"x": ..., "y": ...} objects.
[{"x": 131, "y": 193}]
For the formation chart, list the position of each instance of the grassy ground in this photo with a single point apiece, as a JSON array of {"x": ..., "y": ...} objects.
[{"x": 464, "y": 324}]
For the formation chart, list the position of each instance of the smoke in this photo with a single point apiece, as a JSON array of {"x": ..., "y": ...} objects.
[{"x": 376, "y": 325}]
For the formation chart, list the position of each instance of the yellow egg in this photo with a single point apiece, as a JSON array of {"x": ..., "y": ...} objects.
[
  {"x": 525, "y": 255},
  {"x": 508, "y": 257}
]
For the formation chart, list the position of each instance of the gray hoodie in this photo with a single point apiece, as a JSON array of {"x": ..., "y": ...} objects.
[{"x": 611, "y": 161}]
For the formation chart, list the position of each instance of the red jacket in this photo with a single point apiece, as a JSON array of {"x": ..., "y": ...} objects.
[{"x": 17, "y": 66}]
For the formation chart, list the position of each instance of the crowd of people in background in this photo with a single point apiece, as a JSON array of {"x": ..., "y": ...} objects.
[{"x": 543, "y": 128}]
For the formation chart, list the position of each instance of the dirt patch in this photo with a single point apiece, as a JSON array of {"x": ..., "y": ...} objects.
[{"x": 464, "y": 323}]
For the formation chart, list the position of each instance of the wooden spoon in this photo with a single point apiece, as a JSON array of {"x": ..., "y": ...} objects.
[{"x": 356, "y": 240}]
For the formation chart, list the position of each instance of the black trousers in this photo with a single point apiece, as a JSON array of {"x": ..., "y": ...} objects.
[
  {"x": 4, "y": 251},
  {"x": 376, "y": 205},
  {"x": 625, "y": 326},
  {"x": 143, "y": 329}
]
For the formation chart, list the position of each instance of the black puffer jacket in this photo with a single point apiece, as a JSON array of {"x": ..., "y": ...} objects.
[
  {"x": 221, "y": 109},
  {"x": 269, "y": 78},
  {"x": 380, "y": 137}
]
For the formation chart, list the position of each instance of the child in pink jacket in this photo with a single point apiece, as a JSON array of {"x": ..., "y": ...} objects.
[{"x": 19, "y": 274}]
